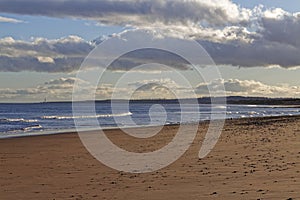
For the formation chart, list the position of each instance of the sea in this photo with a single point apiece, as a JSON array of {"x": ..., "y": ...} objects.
[{"x": 25, "y": 119}]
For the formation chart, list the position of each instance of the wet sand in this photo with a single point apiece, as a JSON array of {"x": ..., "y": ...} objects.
[{"x": 255, "y": 158}]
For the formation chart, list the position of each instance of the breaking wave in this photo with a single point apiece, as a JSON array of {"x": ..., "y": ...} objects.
[
  {"x": 18, "y": 120},
  {"x": 88, "y": 116}
]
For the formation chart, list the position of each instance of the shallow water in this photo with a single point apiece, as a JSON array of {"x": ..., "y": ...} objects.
[{"x": 41, "y": 118}]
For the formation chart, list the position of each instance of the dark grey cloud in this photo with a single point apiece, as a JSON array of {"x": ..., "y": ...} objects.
[
  {"x": 258, "y": 53},
  {"x": 132, "y": 12},
  {"x": 18, "y": 64},
  {"x": 283, "y": 29},
  {"x": 139, "y": 57}
]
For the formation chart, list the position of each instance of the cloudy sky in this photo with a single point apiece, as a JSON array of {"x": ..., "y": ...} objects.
[{"x": 254, "y": 43}]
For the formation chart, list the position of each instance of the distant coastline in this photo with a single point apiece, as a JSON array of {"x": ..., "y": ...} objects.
[{"x": 242, "y": 100}]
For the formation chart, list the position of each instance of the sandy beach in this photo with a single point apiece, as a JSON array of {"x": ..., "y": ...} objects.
[{"x": 255, "y": 158}]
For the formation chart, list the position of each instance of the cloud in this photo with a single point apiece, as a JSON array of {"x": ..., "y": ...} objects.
[
  {"x": 61, "y": 89},
  {"x": 10, "y": 20},
  {"x": 133, "y": 12},
  {"x": 67, "y": 54},
  {"x": 232, "y": 35},
  {"x": 154, "y": 88},
  {"x": 270, "y": 37},
  {"x": 274, "y": 42},
  {"x": 154, "y": 83},
  {"x": 45, "y": 59},
  {"x": 258, "y": 53},
  {"x": 148, "y": 57},
  {"x": 281, "y": 27},
  {"x": 43, "y": 55},
  {"x": 62, "y": 81},
  {"x": 55, "y": 90},
  {"x": 236, "y": 87}
]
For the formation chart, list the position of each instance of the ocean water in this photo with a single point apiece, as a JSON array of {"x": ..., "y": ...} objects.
[{"x": 46, "y": 118}]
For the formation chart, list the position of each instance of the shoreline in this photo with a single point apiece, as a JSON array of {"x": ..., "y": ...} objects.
[{"x": 74, "y": 131}]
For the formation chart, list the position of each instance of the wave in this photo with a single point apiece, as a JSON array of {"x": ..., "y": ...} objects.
[
  {"x": 87, "y": 116},
  {"x": 219, "y": 106},
  {"x": 201, "y": 112},
  {"x": 35, "y": 127},
  {"x": 30, "y": 128},
  {"x": 18, "y": 120}
]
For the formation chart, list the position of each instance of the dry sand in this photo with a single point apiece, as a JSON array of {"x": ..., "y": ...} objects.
[{"x": 254, "y": 159}]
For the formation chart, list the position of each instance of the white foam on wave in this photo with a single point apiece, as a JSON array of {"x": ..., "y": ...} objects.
[
  {"x": 30, "y": 128},
  {"x": 220, "y": 106},
  {"x": 87, "y": 116},
  {"x": 19, "y": 120}
]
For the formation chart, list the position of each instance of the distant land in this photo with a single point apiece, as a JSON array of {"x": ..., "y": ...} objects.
[
  {"x": 203, "y": 100},
  {"x": 262, "y": 100},
  {"x": 229, "y": 100}
]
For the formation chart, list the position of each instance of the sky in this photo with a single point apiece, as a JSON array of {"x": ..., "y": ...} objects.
[{"x": 254, "y": 43}]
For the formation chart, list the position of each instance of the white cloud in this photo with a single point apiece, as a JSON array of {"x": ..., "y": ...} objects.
[
  {"x": 276, "y": 13},
  {"x": 236, "y": 87},
  {"x": 55, "y": 90},
  {"x": 62, "y": 81},
  {"x": 45, "y": 59},
  {"x": 10, "y": 20},
  {"x": 43, "y": 55},
  {"x": 155, "y": 88}
]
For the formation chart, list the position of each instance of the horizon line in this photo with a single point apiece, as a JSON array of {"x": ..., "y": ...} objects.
[{"x": 158, "y": 99}]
